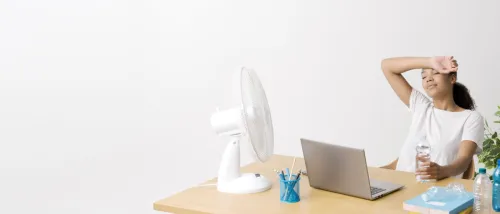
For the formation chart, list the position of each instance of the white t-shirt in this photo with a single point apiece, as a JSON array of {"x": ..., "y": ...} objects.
[{"x": 444, "y": 130}]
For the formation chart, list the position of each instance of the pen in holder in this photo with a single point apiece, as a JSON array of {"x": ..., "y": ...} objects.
[{"x": 290, "y": 189}]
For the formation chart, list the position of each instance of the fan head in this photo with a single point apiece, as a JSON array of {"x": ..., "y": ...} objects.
[
  {"x": 252, "y": 119},
  {"x": 256, "y": 115}
]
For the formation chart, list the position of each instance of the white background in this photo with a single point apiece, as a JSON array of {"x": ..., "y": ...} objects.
[{"x": 105, "y": 105}]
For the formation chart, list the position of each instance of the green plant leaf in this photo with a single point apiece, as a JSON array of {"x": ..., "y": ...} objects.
[
  {"x": 497, "y": 113},
  {"x": 485, "y": 156},
  {"x": 482, "y": 156},
  {"x": 486, "y": 122},
  {"x": 489, "y": 164},
  {"x": 487, "y": 144},
  {"x": 495, "y": 151},
  {"x": 498, "y": 121},
  {"x": 489, "y": 141},
  {"x": 482, "y": 160},
  {"x": 484, "y": 153},
  {"x": 494, "y": 135}
]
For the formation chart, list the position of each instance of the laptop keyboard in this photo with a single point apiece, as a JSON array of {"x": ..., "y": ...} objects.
[{"x": 376, "y": 190}]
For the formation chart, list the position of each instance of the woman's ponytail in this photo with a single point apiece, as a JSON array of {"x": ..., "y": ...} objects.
[{"x": 462, "y": 97}]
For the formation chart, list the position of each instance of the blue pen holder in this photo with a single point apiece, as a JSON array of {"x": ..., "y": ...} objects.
[{"x": 290, "y": 190}]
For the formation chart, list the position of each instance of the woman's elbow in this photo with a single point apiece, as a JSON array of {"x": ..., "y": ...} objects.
[{"x": 384, "y": 65}]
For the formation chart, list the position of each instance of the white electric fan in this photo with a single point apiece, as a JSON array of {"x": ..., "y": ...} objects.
[{"x": 252, "y": 120}]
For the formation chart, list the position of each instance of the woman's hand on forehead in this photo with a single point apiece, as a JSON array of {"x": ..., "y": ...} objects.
[{"x": 444, "y": 64}]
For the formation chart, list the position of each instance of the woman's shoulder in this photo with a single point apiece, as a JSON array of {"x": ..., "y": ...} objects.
[{"x": 475, "y": 116}]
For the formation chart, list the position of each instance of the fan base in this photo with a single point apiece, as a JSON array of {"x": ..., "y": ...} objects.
[{"x": 246, "y": 183}]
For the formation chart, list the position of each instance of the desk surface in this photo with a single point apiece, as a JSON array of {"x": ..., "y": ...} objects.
[{"x": 206, "y": 199}]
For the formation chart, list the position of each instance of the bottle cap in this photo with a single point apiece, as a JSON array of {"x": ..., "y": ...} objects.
[{"x": 482, "y": 171}]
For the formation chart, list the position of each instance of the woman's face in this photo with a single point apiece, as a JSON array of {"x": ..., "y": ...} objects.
[{"x": 437, "y": 84}]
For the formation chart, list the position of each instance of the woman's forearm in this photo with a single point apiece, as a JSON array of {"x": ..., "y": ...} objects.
[
  {"x": 458, "y": 166},
  {"x": 462, "y": 162},
  {"x": 399, "y": 65}
]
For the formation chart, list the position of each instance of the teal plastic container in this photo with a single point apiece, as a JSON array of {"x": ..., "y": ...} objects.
[
  {"x": 290, "y": 190},
  {"x": 496, "y": 188}
]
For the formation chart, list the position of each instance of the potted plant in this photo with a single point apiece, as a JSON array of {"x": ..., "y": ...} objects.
[{"x": 491, "y": 146}]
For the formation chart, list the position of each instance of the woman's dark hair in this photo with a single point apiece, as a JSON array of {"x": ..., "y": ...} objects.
[{"x": 462, "y": 97}]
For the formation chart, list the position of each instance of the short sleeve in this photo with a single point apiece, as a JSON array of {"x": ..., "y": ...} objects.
[
  {"x": 474, "y": 130},
  {"x": 417, "y": 99}
]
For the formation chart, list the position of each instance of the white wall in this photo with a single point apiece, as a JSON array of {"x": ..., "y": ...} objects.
[{"x": 105, "y": 105}]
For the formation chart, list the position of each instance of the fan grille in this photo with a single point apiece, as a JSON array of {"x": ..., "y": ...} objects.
[{"x": 257, "y": 115}]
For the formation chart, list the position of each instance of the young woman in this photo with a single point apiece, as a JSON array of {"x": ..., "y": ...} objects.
[{"x": 447, "y": 119}]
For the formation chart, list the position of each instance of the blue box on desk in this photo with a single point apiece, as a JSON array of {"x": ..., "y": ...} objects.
[{"x": 461, "y": 205}]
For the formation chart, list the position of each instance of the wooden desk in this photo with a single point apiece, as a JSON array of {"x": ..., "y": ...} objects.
[{"x": 206, "y": 199}]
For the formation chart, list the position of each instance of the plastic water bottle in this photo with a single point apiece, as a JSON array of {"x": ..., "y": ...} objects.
[
  {"x": 482, "y": 192},
  {"x": 423, "y": 151},
  {"x": 496, "y": 188}
]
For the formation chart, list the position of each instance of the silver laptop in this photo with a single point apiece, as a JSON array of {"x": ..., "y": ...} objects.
[{"x": 342, "y": 170}]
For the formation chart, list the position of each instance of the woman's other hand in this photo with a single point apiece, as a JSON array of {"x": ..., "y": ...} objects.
[{"x": 429, "y": 170}]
